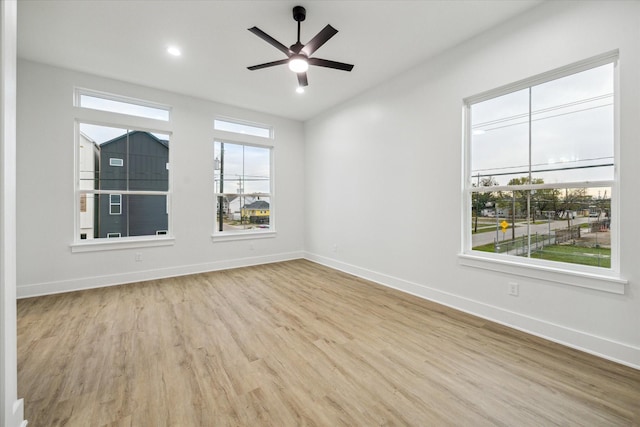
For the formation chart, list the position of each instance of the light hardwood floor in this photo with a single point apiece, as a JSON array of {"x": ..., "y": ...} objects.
[{"x": 293, "y": 344}]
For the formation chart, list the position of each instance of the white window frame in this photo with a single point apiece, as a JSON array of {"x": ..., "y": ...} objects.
[
  {"x": 242, "y": 127},
  {"x": 79, "y": 93},
  {"x": 124, "y": 121},
  {"x": 256, "y": 233},
  {"x": 608, "y": 280},
  {"x": 112, "y": 204},
  {"x": 113, "y": 161}
]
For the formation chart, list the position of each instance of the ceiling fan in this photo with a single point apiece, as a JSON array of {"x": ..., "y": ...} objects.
[{"x": 299, "y": 55}]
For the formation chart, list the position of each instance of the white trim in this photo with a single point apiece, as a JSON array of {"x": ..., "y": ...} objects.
[
  {"x": 615, "y": 351},
  {"x": 49, "y": 288},
  {"x": 546, "y": 186},
  {"x": 558, "y": 73},
  {"x": 112, "y": 204},
  {"x": 114, "y": 161},
  {"x": 122, "y": 121},
  {"x": 241, "y": 139},
  {"x": 227, "y": 236},
  {"x": 94, "y": 245},
  {"x": 245, "y": 123},
  {"x": 78, "y": 92},
  {"x": 581, "y": 279},
  {"x": 11, "y": 408}
]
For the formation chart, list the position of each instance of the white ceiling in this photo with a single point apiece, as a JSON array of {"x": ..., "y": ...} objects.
[{"x": 127, "y": 40}]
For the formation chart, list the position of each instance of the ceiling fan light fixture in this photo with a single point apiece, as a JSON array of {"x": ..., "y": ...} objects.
[{"x": 298, "y": 63}]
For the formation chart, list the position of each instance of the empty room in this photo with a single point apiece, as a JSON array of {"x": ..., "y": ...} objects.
[{"x": 320, "y": 213}]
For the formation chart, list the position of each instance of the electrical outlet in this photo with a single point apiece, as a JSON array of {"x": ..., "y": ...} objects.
[
  {"x": 138, "y": 257},
  {"x": 513, "y": 289}
]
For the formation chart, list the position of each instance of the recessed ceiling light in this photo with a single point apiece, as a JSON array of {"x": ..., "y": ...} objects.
[
  {"x": 300, "y": 89},
  {"x": 173, "y": 50}
]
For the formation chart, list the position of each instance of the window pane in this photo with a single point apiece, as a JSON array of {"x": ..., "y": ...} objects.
[
  {"x": 98, "y": 144},
  {"x": 128, "y": 215},
  {"x": 105, "y": 104},
  {"x": 88, "y": 215},
  {"x": 143, "y": 159},
  {"x": 242, "y": 128},
  {"x": 148, "y": 155},
  {"x": 500, "y": 137},
  {"x": 229, "y": 167},
  {"x": 256, "y": 170},
  {"x": 241, "y": 169},
  {"x": 572, "y": 127},
  {"x": 563, "y": 225},
  {"x": 243, "y": 212},
  {"x": 242, "y": 185}
]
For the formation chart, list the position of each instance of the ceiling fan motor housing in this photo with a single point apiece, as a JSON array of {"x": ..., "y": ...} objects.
[{"x": 299, "y": 13}]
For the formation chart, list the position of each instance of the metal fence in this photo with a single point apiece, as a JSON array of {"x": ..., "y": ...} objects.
[{"x": 523, "y": 245}]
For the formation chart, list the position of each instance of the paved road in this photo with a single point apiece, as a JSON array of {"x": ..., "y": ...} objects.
[{"x": 521, "y": 229}]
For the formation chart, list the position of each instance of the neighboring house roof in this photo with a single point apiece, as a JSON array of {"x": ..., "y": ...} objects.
[
  {"x": 118, "y": 138},
  {"x": 258, "y": 204}
]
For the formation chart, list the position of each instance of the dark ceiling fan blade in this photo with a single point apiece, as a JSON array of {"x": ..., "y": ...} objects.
[
  {"x": 268, "y": 64},
  {"x": 321, "y": 38},
  {"x": 330, "y": 64},
  {"x": 273, "y": 42},
  {"x": 302, "y": 79}
]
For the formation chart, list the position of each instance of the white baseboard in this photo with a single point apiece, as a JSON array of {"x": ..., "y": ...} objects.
[
  {"x": 608, "y": 349},
  {"x": 16, "y": 418},
  {"x": 49, "y": 288}
]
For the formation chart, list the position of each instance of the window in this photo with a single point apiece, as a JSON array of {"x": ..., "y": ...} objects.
[
  {"x": 120, "y": 104},
  {"x": 243, "y": 128},
  {"x": 116, "y": 162},
  {"x": 130, "y": 200},
  {"x": 115, "y": 204},
  {"x": 540, "y": 177},
  {"x": 242, "y": 178}
]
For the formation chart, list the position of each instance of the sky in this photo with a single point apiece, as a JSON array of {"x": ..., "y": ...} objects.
[{"x": 572, "y": 127}]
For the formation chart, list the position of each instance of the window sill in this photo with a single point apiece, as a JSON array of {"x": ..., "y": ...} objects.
[
  {"x": 227, "y": 236},
  {"x": 95, "y": 245},
  {"x": 601, "y": 282}
]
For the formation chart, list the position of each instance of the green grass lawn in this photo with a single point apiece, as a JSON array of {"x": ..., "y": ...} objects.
[{"x": 597, "y": 257}]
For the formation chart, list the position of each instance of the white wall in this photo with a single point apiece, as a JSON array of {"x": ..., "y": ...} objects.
[
  {"x": 45, "y": 178},
  {"x": 383, "y": 178}
]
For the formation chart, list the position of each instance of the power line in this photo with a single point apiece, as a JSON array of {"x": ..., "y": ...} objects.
[{"x": 545, "y": 110}]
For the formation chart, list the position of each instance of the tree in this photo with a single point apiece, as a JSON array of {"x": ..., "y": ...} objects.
[
  {"x": 574, "y": 200},
  {"x": 483, "y": 199}
]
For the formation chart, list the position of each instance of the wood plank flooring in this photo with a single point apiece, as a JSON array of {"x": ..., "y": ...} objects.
[{"x": 297, "y": 344}]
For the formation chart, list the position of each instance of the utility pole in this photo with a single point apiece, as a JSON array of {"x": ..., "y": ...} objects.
[
  {"x": 221, "y": 196},
  {"x": 513, "y": 217},
  {"x": 475, "y": 228}
]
